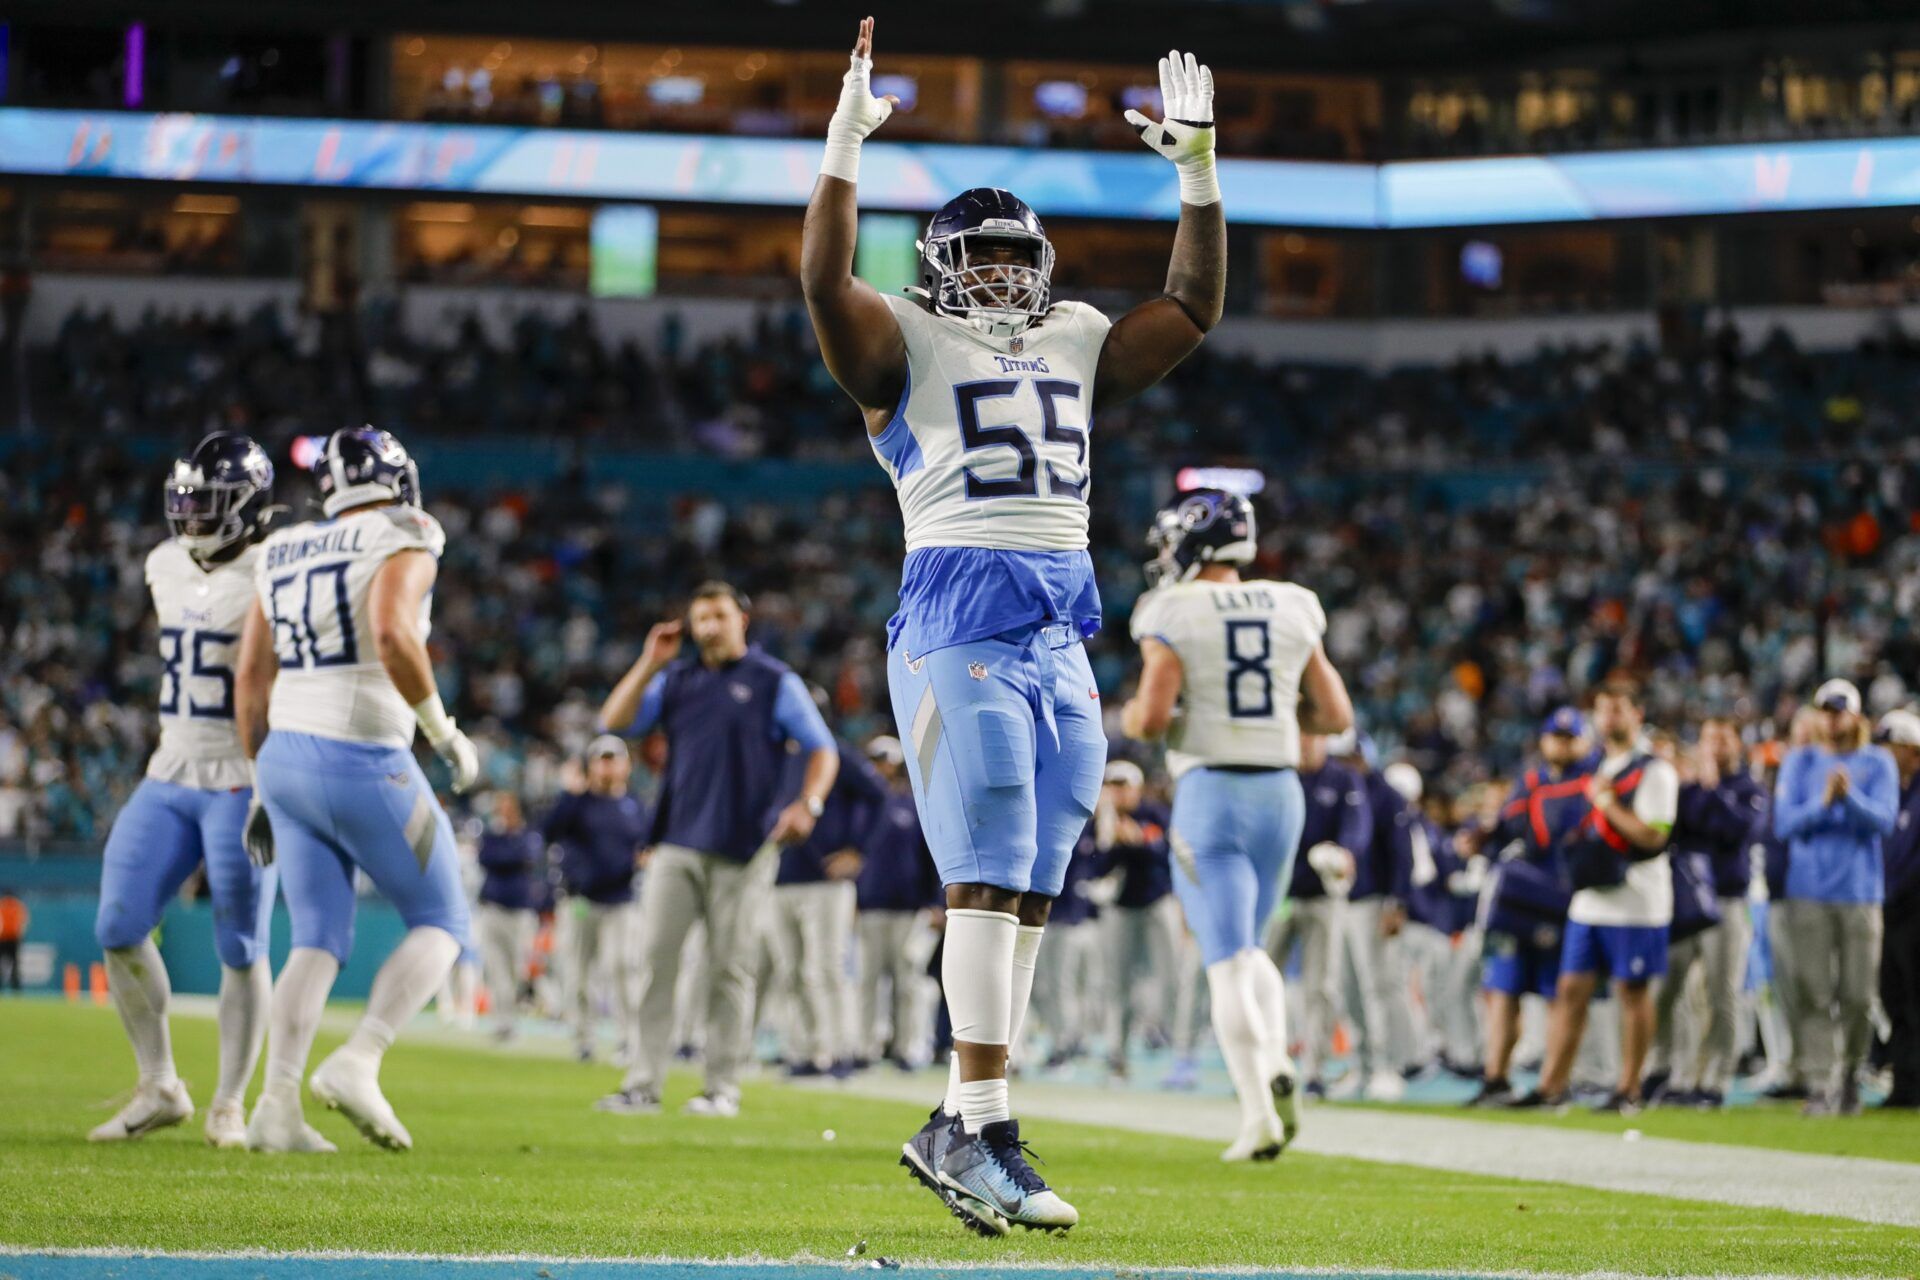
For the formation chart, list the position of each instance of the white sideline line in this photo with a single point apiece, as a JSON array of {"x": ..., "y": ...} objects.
[
  {"x": 1853, "y": 1187},
  {"x": 1866, "y": 1190},
  {"x": 814, "y": 1260}
]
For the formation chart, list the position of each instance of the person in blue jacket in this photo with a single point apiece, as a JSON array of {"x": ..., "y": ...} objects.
[
  {"x": 1338, "y": 829},
  {"x": 812, "y": 917},
  {"x": 1711, "y": 927},
  {"x": 898, "y": 895},
  {"x": 1899, "y": 732},
  {"x": 513, "y": 861},
  {"x": 597, "y": 830},
  {"x": 1835, "y": 803}
]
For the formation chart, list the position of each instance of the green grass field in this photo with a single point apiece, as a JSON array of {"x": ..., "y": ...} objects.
[{"x": 511, "y": 1159}]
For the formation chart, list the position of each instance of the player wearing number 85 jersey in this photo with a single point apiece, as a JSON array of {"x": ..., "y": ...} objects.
[
  {"x": 1233, "y": 674},
  {"x": 190, "y": 807},
  {"x": 334, "y": 676},
  {"x": 979, "y": 393}
]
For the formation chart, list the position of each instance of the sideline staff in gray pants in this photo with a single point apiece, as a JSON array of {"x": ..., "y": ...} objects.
[
  {"x": 728, "y": 715},
  {"x": 1835, "y": 801}
]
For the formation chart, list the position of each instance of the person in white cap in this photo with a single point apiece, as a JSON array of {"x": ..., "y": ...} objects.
[
  {"x": 1836, "y": 800},
  {"x": 1899, "y": 732}
]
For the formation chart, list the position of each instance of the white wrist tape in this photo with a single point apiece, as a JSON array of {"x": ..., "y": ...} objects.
[
  {"x": 842, "y": 158},
  {"x": 1198, "y": 182},
  {"x": 433, "y": 718}
]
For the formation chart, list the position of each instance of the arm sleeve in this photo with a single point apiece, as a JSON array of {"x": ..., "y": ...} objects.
[
  {"x": 798, "y": 718},
  {"x": 1872, "y": 803},
  {"x": 559, "y": 819},
  {"x": 1795, "y": 813},
  {"x": 651, "y": 704}
]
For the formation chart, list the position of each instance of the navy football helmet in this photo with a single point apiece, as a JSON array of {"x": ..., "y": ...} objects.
[
  {"x": 1206, "y": 526},
  {"x": 365, "y": 464},
  {"x": 220, "y": 495},
  {"x": 959, "y": 280}
]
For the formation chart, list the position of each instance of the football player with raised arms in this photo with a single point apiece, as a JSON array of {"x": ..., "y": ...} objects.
[
  {"x": 191, "y": 806},
  {"x": 334, "y": 678},
  {"x": 978, "y": 395},
  {"x": 1233, "y": 673}
]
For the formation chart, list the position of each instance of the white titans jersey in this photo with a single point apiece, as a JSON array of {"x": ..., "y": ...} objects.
[
  {"x": 200, "y": 612},
  {"x": 314, "y": 582},
  {"x": 1242, "y": 647},
  {"x": 989, "y": 445}
]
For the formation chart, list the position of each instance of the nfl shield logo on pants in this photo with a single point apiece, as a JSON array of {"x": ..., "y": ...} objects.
[{"x": 978, "y": 670}]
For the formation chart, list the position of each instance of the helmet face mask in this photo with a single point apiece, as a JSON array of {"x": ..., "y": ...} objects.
[
  {"x": 968, "y": 273},
  {"x": 219, "y": 495}
]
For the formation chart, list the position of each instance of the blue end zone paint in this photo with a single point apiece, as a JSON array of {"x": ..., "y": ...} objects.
[{"x": 255, "y": 1267}]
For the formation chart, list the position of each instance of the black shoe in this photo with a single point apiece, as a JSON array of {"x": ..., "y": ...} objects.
[
  {"x": 1618, "y": 1104},
  {"x": 1786, "y": 1092},
  {"x": 804, "y": 1071},
  {"x": 921, "y": 1155},
  {"x": 1493, "y": 1093},
  {"x": 1534, "y": 1100},
  {"x": 1654, "y": 1086},
  {"x": 1708, "y": 1100}
]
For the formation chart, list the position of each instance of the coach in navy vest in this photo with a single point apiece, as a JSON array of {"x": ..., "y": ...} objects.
[{"x": 728, "y": 715}]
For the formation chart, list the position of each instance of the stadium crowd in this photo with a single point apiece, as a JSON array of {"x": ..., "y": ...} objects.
[
  {"x": 762, "y": 392},
  {"x": 1462, "y": 611}
]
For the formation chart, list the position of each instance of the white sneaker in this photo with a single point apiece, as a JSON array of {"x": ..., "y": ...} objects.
[
  {"x": 227, "y": 1126},
  {"x": 1262, "y": 1141},
  {"x": 152, "y": 1107},
  {"x": 350, "y": 1084},
  {"x": 1386, "y": 1086},
  {"x": 1286, "y": 1101},
  {"x": 277, "y": 1126},
  {"x": 1346, "y": 1088},
  {"x": 722, "y": 1106}
]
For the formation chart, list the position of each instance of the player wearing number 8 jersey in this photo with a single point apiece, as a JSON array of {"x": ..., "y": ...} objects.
[
  {"x": 334, "y": 676},
  {"x": 978, "y": 394},
  {"x": 190, "y": 807},
  {"x": 1233, "y": 674}
]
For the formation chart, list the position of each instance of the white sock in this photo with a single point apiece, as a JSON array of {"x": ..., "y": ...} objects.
[
  {"x": 137, "y": 980},
  {"x": 951, "y": 1103},
  {"x": 409, "y": 978},
  {"x": 1270, "y": 994},
  {"x": 983, "y": 1102},
  {"x": 977, "y": 971},
  {"x": 298, "y": 999},
  {"x": 245, "y": 995},
  {"x": 1237, "y": 1025},
  {"x": 1026, "y": 959}
]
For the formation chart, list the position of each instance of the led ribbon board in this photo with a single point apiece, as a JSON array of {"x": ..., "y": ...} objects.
[{"x": 919, "y": 177}]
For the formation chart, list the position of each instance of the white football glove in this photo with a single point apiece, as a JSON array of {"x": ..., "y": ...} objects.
[
  {"x": 458, "y": 751},
  {"x": 451, "y": 745},
  {"x": 1184, "y": 134},
  {"x": 256, "y": 833},
  {"x": 859, "y": 112}
]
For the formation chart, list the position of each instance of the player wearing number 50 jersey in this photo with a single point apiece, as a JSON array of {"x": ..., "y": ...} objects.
[
  {"x": 979, "y": 393},
  {"x": 1233, "y": 673},
  {"x": 190, "y": 807},
  {"x": 334, "y": 676}
]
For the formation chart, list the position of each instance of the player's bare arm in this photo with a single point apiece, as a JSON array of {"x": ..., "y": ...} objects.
[
  {"x": 1149, "y": 341},
  {"x": 623, "y": 703},
  {"x": 253, "y": 680},
  {"x": 395, "y": 598},
  {"x": 1150, "y": 711},
  {"x": 859, "y": 339},
  {"x": 1324, "y": 704}
]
